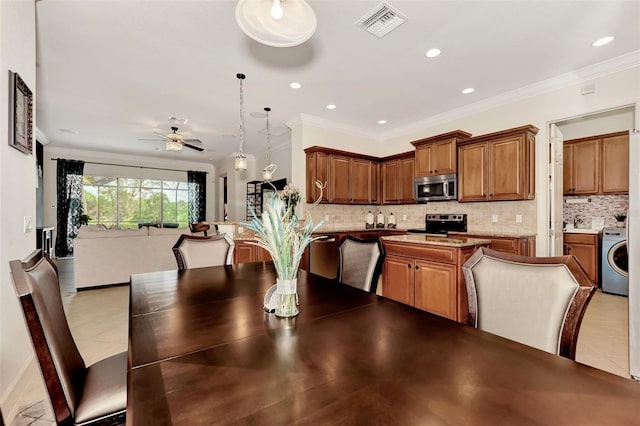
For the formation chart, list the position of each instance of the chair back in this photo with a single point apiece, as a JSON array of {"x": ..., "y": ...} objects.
[
  {"x": 203, "y": 227},
  {"x": 360, "y": 263},
  {"x": 198, "y": 252},
  {"x": 38, "y": 289},
  {"x": 537, "y": 301}
]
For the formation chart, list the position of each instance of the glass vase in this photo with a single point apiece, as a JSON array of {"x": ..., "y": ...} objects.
[{"x": 287, "y": 298}]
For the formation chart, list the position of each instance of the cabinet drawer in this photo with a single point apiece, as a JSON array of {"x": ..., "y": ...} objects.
[
  {"x": 421, "y": 251},
  {"x": 505, "y": 245},
  {"x": 581, "y": 238}
]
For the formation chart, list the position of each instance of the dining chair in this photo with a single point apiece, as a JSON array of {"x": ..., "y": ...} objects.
[
  {"x": 80, "y": 395},
  {"x": 360, "y": 263},
  {"x": 203, "y": 227},
  {"x": 537, "y": 301},
  {"x": 198, "y": 252}
]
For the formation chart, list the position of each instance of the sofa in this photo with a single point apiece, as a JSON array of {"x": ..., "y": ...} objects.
[{"x": 105, "y": 257}]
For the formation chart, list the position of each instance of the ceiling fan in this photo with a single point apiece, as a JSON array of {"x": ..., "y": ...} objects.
[{"x": 175, "y": 141}]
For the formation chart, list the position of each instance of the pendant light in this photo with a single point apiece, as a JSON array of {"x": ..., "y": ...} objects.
[
  {"x": 269, "y": 168},
  {"x": 240, "y": 161}
]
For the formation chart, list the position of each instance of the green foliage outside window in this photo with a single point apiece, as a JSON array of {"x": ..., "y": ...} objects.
[{"x": 126, "y": 202}]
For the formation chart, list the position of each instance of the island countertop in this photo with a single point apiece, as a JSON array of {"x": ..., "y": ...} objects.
[{"x": 437, "y": 241}]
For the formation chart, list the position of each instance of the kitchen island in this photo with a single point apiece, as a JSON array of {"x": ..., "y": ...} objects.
[{"x": 425, "y": 271}]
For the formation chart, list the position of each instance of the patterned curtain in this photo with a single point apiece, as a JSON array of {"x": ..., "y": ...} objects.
[
  {"x": 197, "y": 196},
  {"x": 69, "y": 186}
]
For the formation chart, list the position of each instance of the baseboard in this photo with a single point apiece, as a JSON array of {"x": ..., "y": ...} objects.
[{"x": 11, "y": 398}]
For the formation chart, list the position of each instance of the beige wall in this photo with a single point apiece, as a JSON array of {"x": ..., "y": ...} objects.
[{"x": 17, "y": 193}]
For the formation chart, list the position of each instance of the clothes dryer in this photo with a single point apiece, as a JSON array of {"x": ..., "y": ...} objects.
[{"x": 615, "y": 261}]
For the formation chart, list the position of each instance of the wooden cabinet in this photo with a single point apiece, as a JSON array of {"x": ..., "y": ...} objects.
[
  {"x": 581, "y": 167},
  {"x": 437, "y": 155},
  {"x": 245, "y": 252},
  {"x": 586, "y": 248},
  {"x": 615, "y": 164},
  {"x": 317, "y": 170},
  {"x": 397, "y": 179},
  {"x": 428, "y": 277},
  {"x": 596, "y": 165},
  {"x": 498, "y": 166},
  {"x": 350, "y": 178},
  {"x": 521, "y": 246}
]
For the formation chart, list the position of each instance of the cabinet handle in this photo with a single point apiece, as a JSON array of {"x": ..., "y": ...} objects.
[
  {"x": 490, "y": 195},
  {"x": 409, "y": 266},
  {"x": 417, "y": 267},
  {"x": 436, "y": 171}
]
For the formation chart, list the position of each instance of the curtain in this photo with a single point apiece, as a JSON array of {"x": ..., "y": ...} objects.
[
  {"x": 69, "y": 186},
  {"x": 197, "y": 196}
]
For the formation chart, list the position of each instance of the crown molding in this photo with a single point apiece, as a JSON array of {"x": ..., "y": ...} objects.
[
  {"x": 126, "y": 159},
  {"x": 41, "y": 137},
  {"x": 582, "y": 75}
]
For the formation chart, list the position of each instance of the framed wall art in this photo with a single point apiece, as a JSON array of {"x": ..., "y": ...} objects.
[{"x": 20, "y": 114}]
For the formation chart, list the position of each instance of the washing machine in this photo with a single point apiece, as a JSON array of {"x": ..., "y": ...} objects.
[{"x": 615, "y": 261}]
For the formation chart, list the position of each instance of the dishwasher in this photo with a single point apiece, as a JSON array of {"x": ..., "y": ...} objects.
[{"x": 323, "y": 257}]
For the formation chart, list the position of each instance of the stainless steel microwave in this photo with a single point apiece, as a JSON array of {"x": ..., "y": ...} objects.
[{"x": 436, "y": 188}]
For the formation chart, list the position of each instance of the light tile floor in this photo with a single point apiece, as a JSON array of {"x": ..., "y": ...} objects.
[{"x": 99, "y": 323}]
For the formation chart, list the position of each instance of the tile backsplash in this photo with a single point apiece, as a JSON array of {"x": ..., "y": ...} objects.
[
  {"x": 479, "y": 215},
  {"x": 596, "y": 206}
]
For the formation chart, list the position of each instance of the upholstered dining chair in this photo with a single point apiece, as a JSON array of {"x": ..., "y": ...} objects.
[
  {"x": 538, "y": 301},
  {"x": 80, "y": 395},
  {"x": 203, "y": 227},
  {"x": 360, "y": 263},
  {"x": 198, "y": 252}
]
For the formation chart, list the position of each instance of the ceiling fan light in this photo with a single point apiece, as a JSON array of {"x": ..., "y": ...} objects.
[
  {"x": 173, "y": 145},
  {"x": 297, "y": 24},
  {"x": 240, "y": 163}
]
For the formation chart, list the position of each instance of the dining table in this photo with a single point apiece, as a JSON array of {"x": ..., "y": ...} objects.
[{"x": 203, "y": 351}]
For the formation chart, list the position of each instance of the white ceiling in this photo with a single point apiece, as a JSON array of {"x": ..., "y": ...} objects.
[{"x": 114, "y": 71}]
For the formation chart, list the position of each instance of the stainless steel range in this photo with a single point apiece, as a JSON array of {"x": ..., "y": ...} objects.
[{"x": 442, "y": 224}]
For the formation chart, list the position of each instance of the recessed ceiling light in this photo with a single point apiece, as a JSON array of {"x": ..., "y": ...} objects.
[
  {"x": 331, "y": 106},
  {"x": 468, "y": 90},
  {"x": 432, "y": 53},
  {"x": 70, "y": 131},
  {"x": 602, "y": 41},
  {"x": 295, "y": 85},
  {"x": 382, "y": 121}
]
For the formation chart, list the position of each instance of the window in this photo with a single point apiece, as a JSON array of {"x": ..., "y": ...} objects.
[{"x": 126, "y": 202}]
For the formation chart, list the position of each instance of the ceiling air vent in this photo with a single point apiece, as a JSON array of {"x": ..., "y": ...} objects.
[{"x": 381, "y": 20}]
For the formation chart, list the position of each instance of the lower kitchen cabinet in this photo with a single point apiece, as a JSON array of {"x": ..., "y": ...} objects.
[
  {"x": 435, "y": 288},
  {"x": 586, "y": 248},
  {"x": 246, "y": 252},
  {"x": 399, "y": 279}
]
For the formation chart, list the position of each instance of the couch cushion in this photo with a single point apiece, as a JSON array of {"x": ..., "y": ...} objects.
[{"x": 169, "y": 231}]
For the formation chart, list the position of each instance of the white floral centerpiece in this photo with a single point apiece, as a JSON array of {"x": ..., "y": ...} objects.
[{"x": 280, "y": 232}]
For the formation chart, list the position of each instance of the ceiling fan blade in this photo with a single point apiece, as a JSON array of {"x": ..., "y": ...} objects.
[
  {"x": 193, "y": 140},
  {"x": 197, "y": 148}
]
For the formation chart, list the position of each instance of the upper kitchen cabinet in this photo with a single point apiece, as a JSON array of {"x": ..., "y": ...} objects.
[
  {"x": 498, "y": 166},
  {"x": 350, "y": 178},
  {"x": 437, "y": 155},
  {"x": 596, "y": 165},
  {"x": 397, "y": 179}
]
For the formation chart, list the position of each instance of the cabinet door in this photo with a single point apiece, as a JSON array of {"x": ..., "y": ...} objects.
[
  {"x": 567, "y": 169},
  {"x": 423, "y": 161},
  {"x": 586, "y": 159},
  {"x": 443, "y": 157},
  {"x": 615, "y": 164},
  {"x": 244, "y": 252},
  {"x": 390, "y": 193},
  {"x": 587, "y": 255},
  {"x": 506, "y": 169},
  {"x": 375, "y": 182},
  {"x": 435, "y": 288},
  {"x": 398, "y": 279},
  {"x": 405, "y": 180},
  {"x": 360, "y": 181},
  {"x": 339, "y": 169},
  {"x": 262, "y": 255},
  {"x": 317, "y": 169},
  {"x": 472, "y": 179}
]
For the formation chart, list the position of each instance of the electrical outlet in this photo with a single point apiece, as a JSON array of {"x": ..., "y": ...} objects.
[
  {"x": 494, "y": 218},
  {"x": 27, "y": 224},
  {"x": 240, "y": 229},
  {"x": 518, "y": 218},
  {"x": 404, "y": 217},
  {"x": 326, "y": 218}
]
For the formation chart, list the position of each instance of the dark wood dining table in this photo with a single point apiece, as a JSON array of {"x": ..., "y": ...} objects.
[{"x": 202, "y": 351}]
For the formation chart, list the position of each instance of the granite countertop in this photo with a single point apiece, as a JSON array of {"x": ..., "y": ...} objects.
[
  {"x": 437, "y": 241},
  {"x": 351, "y": 228},
  {"x": 497, "y": 234},
  {"x": 581, "y": 231}
]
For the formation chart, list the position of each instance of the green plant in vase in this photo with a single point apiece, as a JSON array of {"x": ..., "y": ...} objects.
[{"x": 279, "y": 232}]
